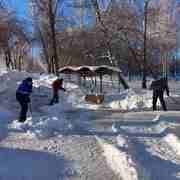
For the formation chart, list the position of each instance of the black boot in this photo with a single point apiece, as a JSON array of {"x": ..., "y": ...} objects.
[{"x": 22, "y": 119}]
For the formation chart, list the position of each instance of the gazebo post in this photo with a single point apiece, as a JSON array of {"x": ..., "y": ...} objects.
[
  {"x": 79, "y": 79},
  {"x": 92, "y": 84},
  {"x": 119, "y": 81},
  {"x": 84, "y": 80},
  {"x": 69, "y": 76},
  {"x": 111, "y": 76},
  {"x": 95, "y": 81},
  {"x": 101, "y": 78}
]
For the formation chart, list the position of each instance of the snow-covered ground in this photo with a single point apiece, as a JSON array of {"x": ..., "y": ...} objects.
[{"x": 121, "y": 139}]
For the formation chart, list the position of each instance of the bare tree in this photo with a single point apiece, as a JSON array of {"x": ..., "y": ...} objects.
[
  {"x": 46, "y": 13},
  {"x": 11, "y": 30}
]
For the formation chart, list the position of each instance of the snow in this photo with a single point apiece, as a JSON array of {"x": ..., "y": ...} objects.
[
  {"x": 91, "y": 68},
  {"x": 43, "y": 127},
  {"x": 174, "y": 142},
  {"x": 75, "y": 118},
  {"x": 129, "y": 100},
  {"x": 116, "y": 158},
  {"x": 5, "y": 115},
  {"x": 19, "y": 164}
]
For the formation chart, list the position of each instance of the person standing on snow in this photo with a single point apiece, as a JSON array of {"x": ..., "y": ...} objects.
[
  {"x": 159, "y": 86},
  {"x": 23, "y": 97},
  {"x": 56, "y": 86}
]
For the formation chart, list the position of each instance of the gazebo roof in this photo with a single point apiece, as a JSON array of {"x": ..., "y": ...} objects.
[{"x": 90, "y": 70}]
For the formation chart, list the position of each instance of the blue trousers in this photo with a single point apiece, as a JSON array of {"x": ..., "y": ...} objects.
[{"x": 23, "y": 101}]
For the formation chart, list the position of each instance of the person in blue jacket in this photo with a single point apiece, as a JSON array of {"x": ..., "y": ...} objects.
[{"x": 23, "y": 97}]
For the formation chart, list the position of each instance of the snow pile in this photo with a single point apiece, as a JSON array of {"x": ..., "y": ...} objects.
[
  {"x": 43, "y": 127},
  {"x": 56, "y": 119},
  {"x": 58, "y": 109},
  {"x": 3, "y": 70},
  {"x": 75, "y": 94},
  {"x": 122, "y": 141},
  {"x": 120, "y": 161},
  {"x": 174, "y": 142},
  {"x": 50, "y": 126},
  {"x": 129, "y": 100}
]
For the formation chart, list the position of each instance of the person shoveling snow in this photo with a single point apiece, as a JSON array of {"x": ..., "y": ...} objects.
[
  {"x": 23, "y": 97},
  {"x": 56, "y": 86},
  {"x": 159, "y": 86}
]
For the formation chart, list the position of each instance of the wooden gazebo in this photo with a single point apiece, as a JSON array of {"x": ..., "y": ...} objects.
[{"x": 94, "y": 72}]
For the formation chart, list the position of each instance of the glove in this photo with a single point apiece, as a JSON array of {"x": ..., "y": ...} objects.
[{"x": 63, "y": 89}]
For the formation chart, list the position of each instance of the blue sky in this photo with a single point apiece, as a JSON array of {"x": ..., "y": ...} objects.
[{"x": 21, "y": 6}]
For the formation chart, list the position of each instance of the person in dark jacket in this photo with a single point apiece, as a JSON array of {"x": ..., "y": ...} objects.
[
  {"x": 56, "y": 86},
  {"x": 23, "y": 97},
  {"x": 158, "y": 87}
]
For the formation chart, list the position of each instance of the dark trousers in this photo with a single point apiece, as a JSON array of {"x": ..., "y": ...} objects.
[
  {"x": 160, "y": 95},
  {"x": 23, "y": 101},
  {"x": 55, "y": 99}
]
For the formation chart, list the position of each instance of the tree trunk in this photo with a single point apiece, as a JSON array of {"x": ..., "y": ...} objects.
[
  {"x": 53, "y": 36},
  {"x": 45, "y": 51},
  {"x": 9, "y": 63},
  {"x": 144, "y": 86}
]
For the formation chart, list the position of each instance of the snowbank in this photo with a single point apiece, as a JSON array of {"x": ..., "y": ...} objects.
[
  {"x": 120, "y": 161},
  {"x": 42, "y": 127},
  {"x": 57, "y": 119},
  {"x": 57, "y": 109},
  {"x": 129, "y": 100},
  {"x": 174, "y": 142},
  {"x": 53, "y": 121}
]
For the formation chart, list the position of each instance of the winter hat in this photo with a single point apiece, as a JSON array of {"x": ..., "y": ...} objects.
[
  {"x": 29, "y": 79},
  {"x": 60, "y": 79}
]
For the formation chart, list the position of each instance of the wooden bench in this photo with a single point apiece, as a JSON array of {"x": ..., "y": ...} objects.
[{"x": 96, "y": 99}]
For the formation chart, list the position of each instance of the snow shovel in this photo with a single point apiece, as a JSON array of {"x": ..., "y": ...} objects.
[{"x": 30, "y": 108}]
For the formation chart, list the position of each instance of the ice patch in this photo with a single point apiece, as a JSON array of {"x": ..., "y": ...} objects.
[{"x": 155, "y": 129}]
